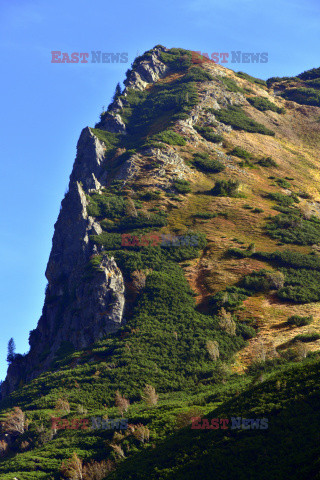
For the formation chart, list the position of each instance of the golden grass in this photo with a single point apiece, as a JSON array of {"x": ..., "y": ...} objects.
[{"x": 295, "y": 148}]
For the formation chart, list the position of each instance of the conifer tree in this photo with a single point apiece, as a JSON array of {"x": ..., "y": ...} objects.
[
  {"x": 117, "y": 92},
  {"x": 11, "y": 350}
]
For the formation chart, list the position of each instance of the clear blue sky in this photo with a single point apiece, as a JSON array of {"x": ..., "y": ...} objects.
[{"x": 44, "y": 106}]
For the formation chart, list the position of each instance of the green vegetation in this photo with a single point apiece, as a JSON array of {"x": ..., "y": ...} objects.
[
  {"x": 205, "y": 215},
  {"x": 182, "y": 186},
  {"x": 246, "y": 331},
  {"x": 283, "y": 183},
  {"x": 150, "y": 195},
  {"x": 282, "y": 199},
  {"x": 267, "y": 162},
  {"x": 263, "y": 104},
  {"x": 120, "y": 215},
  {"x": 307, "y": 337},
  {"x": 231, "y": 85},
  {"x": 239, "y": 120},
  {"x": 303, "y": 96},
  {"x": 109, "y": 139},
  {"x": 169, "y": 100},
  {"x": 293, "y": 228},
  {"x": 301, "y": 286},
  {"x": 241, "y": 153},
  {"x": 303, "y": 89},
  {"x": 305, "y": 195},
  {"x": 203, "y": 162},
  {"x": 272, "y": 80},
  {"x": 230, "y": 299},
  {"x": 177, "y": 59},
  {"x": 251, "y": 79},
  {"x": 313, "y": 83},
  {"x": 288, "y": 398},
  {"x": 298, "y": 321},
  {"x": 247, "y": 157},
  {"x": 262, "y": 281},
  {"x": 197, "y": 74},
  {"x": 133, "y": 223},
  {"x": 106, "y": 205},
  {"x": 117, "y": 92},
  {"x": 208, "y": 134},
  {"x": 310, "y": 74},
  {"x": 111, "y": 241},
  {"x": 301, "y": 273},
  {"x": 288, "y": 258},
  {"x": 226, "y": 188},
  {"x": 160, "y": 106},
  {"x": 156, "y": 257},
  {"x": 169, "y": 137}
]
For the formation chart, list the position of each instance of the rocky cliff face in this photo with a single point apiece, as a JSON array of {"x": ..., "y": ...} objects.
[
  {"x": 76, "y": 312},
  {"x": 80, "y": 309}
]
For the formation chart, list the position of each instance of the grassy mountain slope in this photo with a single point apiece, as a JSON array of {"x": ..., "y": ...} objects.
[{"x": 288, "y": 449}]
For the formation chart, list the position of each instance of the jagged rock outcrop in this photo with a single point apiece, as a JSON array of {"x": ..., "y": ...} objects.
[
  {"x": 147, "y": 70},
  {"x": 77, "y": 310},
  {"x": 113, "y": 123},
  {"x": 89, "y": 164}
]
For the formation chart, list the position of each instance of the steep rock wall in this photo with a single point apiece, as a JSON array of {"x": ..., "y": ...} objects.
[{"x": 78, "y": 309}]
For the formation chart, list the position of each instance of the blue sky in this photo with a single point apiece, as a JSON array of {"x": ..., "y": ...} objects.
[{"x": 44, "y": 105}]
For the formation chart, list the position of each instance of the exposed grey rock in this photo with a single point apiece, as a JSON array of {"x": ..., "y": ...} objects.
[
  {"x": 135, "y": 81},
  {"x": 149, "y": 70},
  {"x": 89, "y": 163},
  {"x": 113, "y": 123},
  {"x": 129, "y": 169},
  {"x": 170, "y": 157},
  {"x": 78, "y": 310}
]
